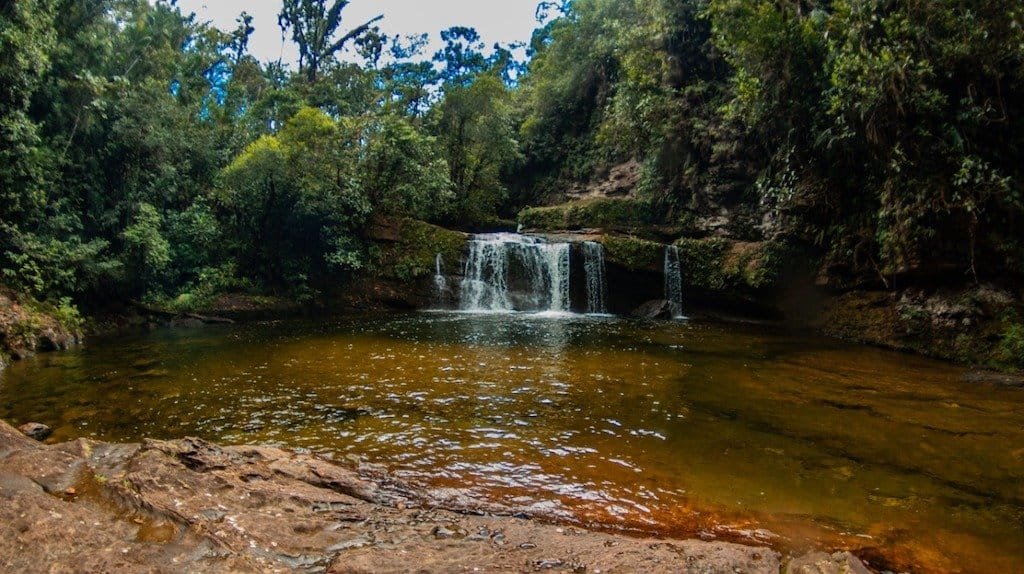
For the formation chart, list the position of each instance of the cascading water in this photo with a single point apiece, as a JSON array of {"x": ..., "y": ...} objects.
[
  {"x": 674, "y": 280},
  {"x": 597, "y": 285},
  {"x": 440, "y": 283},
  {"x": 510, "y": 272}
]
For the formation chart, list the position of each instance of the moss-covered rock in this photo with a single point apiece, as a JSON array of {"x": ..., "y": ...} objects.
[
  {"x": 977, "y": 325},
  {"x": 633, "y": 253},
  {"x": 717, "y": 264},
  {"x": 28, "y": 326},
  {"x": 617, "y": 214},
  {"x": 406, "y": 249}
]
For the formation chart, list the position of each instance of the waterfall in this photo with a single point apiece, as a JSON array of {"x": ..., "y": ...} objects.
[
  {"x": 511, "y": 272},
  {"x": 597, "y": 285},
  {"x": 440, "y": 283},
  {"x": 485, "y": 287},
  {"x": 674, "y": 280}
]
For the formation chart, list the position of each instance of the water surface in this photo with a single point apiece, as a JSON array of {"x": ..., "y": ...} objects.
[{"x": 676, "y": 429}]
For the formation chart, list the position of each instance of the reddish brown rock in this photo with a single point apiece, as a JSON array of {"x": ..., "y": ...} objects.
[
  {"x": 189, "y": 505},
  {"x": 37, "y": 431}
]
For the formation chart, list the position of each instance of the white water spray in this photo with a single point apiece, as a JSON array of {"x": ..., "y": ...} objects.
[
  {"x": 496, "y": 261},
  {"x": 440, "y": 282}
]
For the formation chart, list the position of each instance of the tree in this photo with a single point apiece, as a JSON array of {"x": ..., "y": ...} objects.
[
  {"x": 475, "y": 128},
  {"x": 402, "y": 170},
  {"x": 462, "y": 57},
  {"x": 313, "y": 26},
  {"x": 27, "y": 39},
  {"x": 292, "y": 208}
]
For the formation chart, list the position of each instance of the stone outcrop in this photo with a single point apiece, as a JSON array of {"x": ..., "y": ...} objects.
[
  {"x": 979, "y": 324},
  {"x": 400, "y": 276},
  {"x": 658, "y": 309},
  {"x": 188, "y": 506},
  {"x": 621, "y": 181}
]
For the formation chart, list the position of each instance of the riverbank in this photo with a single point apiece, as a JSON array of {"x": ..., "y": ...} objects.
[{"x": 189, "y": 505}]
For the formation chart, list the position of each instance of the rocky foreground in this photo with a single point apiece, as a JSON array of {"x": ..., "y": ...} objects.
[{"x": 188, "y": 506}]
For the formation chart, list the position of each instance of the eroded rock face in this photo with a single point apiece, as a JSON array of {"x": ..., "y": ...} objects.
[
  {"x": 188, "y": 505},
  {"x": 621, "y": 181}
]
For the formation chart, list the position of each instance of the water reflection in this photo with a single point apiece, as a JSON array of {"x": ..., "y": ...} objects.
[{"x": 681, "y": 428}]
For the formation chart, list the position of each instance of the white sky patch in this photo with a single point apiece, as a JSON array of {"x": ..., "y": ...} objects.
[{"x": 503, "y": 21}]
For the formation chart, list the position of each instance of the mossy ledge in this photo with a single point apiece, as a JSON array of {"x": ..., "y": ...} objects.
[
  {"x": 633, "y": 253},
  {"x": 717, "y": 264},
  {"x": 406, "y": 249},
  {"x": 611, "y": 214}
]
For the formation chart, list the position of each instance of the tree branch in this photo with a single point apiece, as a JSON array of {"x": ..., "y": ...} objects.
[{"x": 353, "y": 33}]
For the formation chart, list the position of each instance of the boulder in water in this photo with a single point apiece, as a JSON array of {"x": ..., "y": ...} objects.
[
  {"x": 662, "y": 309},
  {"x": 37, "y": 431}
]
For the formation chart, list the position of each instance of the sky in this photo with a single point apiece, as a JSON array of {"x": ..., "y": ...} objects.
[{"x": 503, "y": 21}]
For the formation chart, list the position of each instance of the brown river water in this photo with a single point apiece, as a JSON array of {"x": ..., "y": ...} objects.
[{"x": 683, "y": 429}]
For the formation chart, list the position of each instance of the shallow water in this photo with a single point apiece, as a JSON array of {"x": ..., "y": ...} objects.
[{"x": 680, "y": 429}]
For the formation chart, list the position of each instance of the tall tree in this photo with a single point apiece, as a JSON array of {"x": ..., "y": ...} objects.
[{"x": 313, "y": 26}]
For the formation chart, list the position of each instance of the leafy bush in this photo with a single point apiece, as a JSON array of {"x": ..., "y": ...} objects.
[{"x": 1011, "y": 346}]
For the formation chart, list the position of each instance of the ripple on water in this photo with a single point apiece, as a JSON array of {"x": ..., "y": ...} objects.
[{"x": 684, "y": 428}]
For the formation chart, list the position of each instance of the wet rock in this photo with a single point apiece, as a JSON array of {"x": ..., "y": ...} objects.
[
  {"x": 186, "y": 323},
  {"x": 358, "y": 542},
  {"x": 658, "y": 309},
  {"x": 822, "y": 563},
  {"x": 37, "y": 431},
  {"x": 994, "y": 378},
  {"x": 192, "y": 506}
]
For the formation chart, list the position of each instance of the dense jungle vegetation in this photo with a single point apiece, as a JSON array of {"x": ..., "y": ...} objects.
[{"x": 147, "y": 156}]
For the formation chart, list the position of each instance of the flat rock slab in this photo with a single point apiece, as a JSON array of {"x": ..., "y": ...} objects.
[{"x": 189, "y": 505}]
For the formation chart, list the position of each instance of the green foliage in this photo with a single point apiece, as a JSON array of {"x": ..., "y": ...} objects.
[
  {"x": 145, "y": 154},
  {"x": 402, "y": 169},
  {"x": 147, "y": 251},
  {"x": 474, "y": 127},
  {"x": 63, "y": 311},
  {"x": 203, "y": 290},
  {"x": 617, "y": 80},
  {"x": 891, "y": 127},
  {"x": 293, "y": 207},
  {"x": 1011, "y": 347}
]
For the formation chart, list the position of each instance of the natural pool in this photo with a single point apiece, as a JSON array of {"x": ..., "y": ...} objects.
[{"x": 677, "y": 429}]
